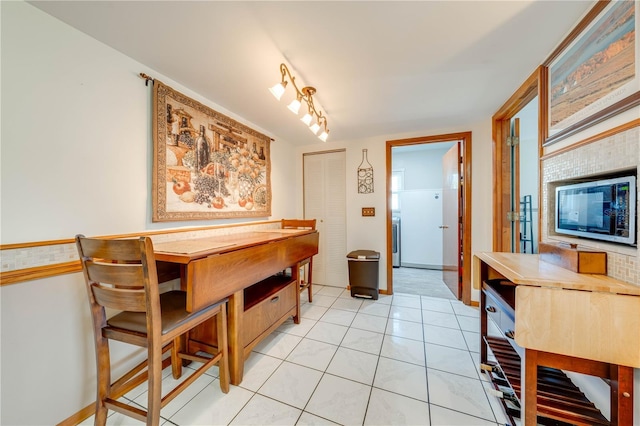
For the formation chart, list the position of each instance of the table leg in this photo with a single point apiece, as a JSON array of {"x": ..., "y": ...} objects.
[
  {"x": 621, "y": 395},
  {"x": 223, "y": 343},
  {"x": 295, "y": 274},
  {"x": 530, "y": 387},
  {"x": 483, "y": 327},
  {"x": 236, "y": 346}
]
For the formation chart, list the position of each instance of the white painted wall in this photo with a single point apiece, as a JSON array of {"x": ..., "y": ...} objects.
[
  {"x": 370, "y": 232},
  {"x": 76, "y": 158},
  {"x": 76, "y": 135},
  {"x": 422, "y": 169},
  {"x": 420, "y": 206}
]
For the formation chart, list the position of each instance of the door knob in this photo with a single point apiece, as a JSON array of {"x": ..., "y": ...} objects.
[{"x": 443, "y": 227}]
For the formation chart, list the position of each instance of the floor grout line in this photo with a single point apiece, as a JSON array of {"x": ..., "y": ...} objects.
[{"x": 423, "y": 307}]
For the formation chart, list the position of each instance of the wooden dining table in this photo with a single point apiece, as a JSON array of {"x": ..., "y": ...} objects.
[{"x": 223, "y": 266}]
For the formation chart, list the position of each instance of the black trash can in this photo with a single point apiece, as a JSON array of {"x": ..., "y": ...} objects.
[{"x": 363, "y": 273}]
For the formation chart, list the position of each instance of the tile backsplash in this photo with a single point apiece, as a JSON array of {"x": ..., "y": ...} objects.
[
  {"x": 610, "y": 154},
  {"x": 53, "y": 254}
]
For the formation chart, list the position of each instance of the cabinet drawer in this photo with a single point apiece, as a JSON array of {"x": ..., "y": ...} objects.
[
  {"x": 267, "y": 311},
  {"x": 508, "y": 330},
  {"x": 500, "y": 312},
  {"x": 493, "y": 320}
]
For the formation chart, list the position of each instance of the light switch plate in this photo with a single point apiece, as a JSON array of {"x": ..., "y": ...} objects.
[{"x": 368, "y": 211}]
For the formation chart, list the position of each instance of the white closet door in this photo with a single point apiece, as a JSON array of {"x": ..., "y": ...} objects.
[{"x": 325, "y": 201}]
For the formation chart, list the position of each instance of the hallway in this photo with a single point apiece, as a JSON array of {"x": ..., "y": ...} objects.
[{"x": 422, "y": 282}]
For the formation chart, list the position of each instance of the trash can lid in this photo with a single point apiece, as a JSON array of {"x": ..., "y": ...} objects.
[{"x": 363, "y": 254}]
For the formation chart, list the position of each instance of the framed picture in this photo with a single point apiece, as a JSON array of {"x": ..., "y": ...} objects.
[
  {"x": 594, "y": 74},
  {"x": 205, "y": 164}
]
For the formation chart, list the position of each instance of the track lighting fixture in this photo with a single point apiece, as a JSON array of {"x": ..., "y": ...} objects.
[{"x": 312, "y": 118}]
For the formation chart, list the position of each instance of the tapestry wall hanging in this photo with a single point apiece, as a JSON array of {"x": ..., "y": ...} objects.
[{"x": 205, "y": 164}]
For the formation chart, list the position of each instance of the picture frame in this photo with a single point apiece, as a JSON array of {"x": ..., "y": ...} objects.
[
  {"x": 594, "y": 73},
  {"x": 205, "y": 164}
]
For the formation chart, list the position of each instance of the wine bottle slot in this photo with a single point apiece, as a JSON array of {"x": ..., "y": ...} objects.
[{"x": 488, "y": 367}]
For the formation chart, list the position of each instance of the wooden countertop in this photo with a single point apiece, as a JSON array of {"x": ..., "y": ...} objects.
[
  {"x": 528, "y": 269},
  {"x": 184, "y": 251},
  {"x": 597, "y": 321}
]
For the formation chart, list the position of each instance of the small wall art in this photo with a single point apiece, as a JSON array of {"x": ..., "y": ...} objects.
[{"x": 365, "y": 175}]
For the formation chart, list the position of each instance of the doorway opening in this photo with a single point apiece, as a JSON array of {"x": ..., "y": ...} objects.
[
  {"x": 525, "y": 179},
  {"x": 518, "y": 134},
  {"x": 418, "y": 219},
  {"x": 439, "y": 213}
]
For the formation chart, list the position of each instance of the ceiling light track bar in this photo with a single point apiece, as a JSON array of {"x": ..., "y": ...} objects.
[{"x": 313, "y": 118}]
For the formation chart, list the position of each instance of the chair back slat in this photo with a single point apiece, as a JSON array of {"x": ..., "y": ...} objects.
[
  {"x": 120, "y": 250},
  {"x": 120, "y": 275},
  {"x": 120, "y": 299}
]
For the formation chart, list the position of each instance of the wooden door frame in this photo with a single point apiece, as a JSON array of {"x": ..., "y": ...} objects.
[
  {"x": 532, "y": 87},
  {"x": 464, "y": 138},
  {"x": 516, "y": 171}
]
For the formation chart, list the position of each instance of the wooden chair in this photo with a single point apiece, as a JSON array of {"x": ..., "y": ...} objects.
[
  {"x": 122, "y": 275},
  {"x": 304, "y": 281}
]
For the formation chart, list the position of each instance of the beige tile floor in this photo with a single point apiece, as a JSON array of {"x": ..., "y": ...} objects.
[{"x": 401, "y": 360}]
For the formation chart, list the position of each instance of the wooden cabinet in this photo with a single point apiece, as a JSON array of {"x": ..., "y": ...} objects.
[
  {"x": 499, "y": 296},
  {"x": 239, "y": 266},
  {"x": 267, "y": 305},
  {"x": 547, "y": 320},
  {"x": 558, "y": 398}
]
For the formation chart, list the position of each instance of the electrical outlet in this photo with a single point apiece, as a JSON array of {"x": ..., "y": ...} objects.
[{"x": 368, "y": 211}]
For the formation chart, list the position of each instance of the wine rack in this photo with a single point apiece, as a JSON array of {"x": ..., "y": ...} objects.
[{"x": 559, "y": 401}]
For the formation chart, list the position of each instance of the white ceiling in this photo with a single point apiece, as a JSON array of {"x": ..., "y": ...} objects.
[{"x": 379, "y": 67}]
